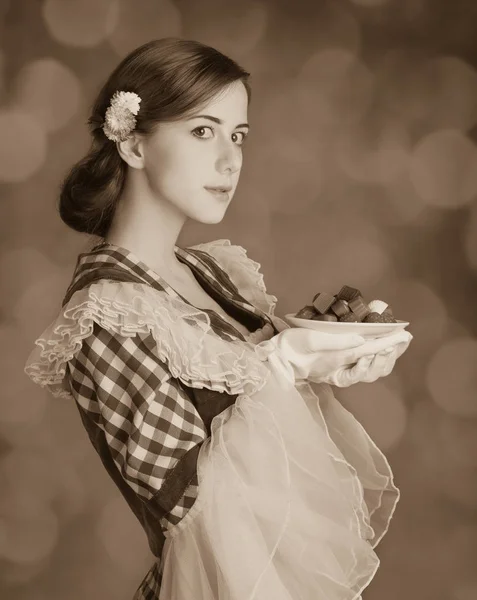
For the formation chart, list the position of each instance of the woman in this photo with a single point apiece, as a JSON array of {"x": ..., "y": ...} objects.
[{"x": 248, "y": 482}]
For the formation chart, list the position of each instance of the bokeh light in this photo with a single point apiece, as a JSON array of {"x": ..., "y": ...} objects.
[
  {"x": 380, "y": 410},
  {"x": 18, "y": 574},
  {"x": 454, "y": 101},
  {"x": 30, "y": 539},
  {"x": 334, "y": 25},
  {"x": 444, "y": 169},
  {"x": 29, "y": 267},
  {"x": 418, "y": 303},
  {"x": 63, "y": 429},
  {"x": 235, "y": 29},
  {"x": 125, "y": 545},
  {"x": 407, "y": 204},
  {"x": 26, "y": 150},
  {"x": 80, "y": 23},
  {"x": 370, "y": 3},
  {"x": 439, "y": 467},
  {"x": 464, "y": 590},
  {"x": 2, "y": 74},
  {"x": 470, "y": 237},
  {"x": 295, "y": 158},
  {"x": 452, "y": 377},
  {"x": 360, "y": 259},
  {"x": 432, "y": 92},
  {"x": 346, "y": 249},
  {"x": 458, "y": 436},
  {"x": 464, "y": 541},
  {"x": 144, "y": 20},
  {"x": 71, "y": 496},
  {"x": 23, "y": 470},
  {"x": 374, "y": 157},
  {"x": 333, "y": 89},
  {"x": 402, "y": 89},
  {"x": 360, "y": 256},
  {"x": 34, "y": 307},
  {"x": 49, "y": 91},
  {"x": 19, "y": 403}
]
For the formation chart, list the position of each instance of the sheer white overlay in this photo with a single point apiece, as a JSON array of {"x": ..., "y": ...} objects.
[{"x": 293, "y": 498}]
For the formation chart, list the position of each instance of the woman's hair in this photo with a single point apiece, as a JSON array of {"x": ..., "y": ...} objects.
[{"x": 172, "y": 77}]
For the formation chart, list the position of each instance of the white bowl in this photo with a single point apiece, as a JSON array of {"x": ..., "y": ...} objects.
[{"x": 367, "y": 330}]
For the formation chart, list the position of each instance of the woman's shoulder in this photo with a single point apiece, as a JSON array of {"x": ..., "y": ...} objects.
[
  {"x": 244, "y": 272},
  {"x": 131, "y": 313}
]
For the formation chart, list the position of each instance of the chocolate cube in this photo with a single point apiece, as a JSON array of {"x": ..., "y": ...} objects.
[
  {"x": 348, "y": 293},
  {"x": 359, "y": 307},
  {"x": 322, "y": 302}
]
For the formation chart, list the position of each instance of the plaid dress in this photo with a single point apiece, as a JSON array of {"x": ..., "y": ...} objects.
[
  {"x": 148, "y": 386},
  {"x": 114, "y": 379}
]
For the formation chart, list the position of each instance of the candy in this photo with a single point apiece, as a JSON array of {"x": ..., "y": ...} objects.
[
  {"x": 359, "y": 307},
  {"x": 349, "y": 318},
  {"x": 373, "y": 317},
  {"x": 387, "y": 318},
  {"x": 377, "y": 306},
  {"x": 348, "y": 306},
  {"x": 340, "y": 308},
  {"x": 307, "y": 312},
  {"x": 322, "y": 302},
  {"x": 348, "y": 293},
  {"x": 327, "y": 317}
]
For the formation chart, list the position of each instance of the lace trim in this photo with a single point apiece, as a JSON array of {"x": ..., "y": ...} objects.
[
  {"x": 243, "y": 271},
  {"x": 185, "y": 340},
  {"x": 264, "y": 333}
]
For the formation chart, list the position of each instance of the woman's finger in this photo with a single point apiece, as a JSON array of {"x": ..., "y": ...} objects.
[
  {"x": 310, "y": 340},
  {"x": 381, "y": 366},
  {"x": 401, "y": 348},
  {"x": 375, "y": 346},
  {"x": 349, "y": 376}
]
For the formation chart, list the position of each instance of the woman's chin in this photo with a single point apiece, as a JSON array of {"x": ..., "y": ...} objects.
[
  {"x": 211, "y": 220},
  {"x": 210, "y": 217}
]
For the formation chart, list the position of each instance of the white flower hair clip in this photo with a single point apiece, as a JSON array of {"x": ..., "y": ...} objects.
[{"x": 120, "y": 120}]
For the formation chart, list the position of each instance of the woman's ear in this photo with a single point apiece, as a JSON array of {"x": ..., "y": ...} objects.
[{"x": 132, "y": 151}]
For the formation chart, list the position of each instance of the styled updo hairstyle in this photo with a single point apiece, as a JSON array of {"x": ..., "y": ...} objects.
[{"x": 173, "y": 77}]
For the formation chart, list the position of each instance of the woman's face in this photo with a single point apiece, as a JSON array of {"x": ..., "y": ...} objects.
[{"x": 185, "y": 158}]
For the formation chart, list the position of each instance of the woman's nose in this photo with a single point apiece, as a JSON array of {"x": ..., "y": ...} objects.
[{"x": 230, "y": 158}]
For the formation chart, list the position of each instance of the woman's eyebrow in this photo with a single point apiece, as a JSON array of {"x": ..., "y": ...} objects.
[{"x": 216, "y": 120}]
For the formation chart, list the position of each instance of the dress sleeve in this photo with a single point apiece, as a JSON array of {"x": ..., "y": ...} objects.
[{"x": 149, "y": 420}]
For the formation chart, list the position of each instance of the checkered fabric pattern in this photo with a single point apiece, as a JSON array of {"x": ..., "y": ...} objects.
[{"x": 148, "y": 419}]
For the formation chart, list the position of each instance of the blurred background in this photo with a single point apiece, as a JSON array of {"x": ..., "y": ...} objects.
[{"x": 361, "y": 169}]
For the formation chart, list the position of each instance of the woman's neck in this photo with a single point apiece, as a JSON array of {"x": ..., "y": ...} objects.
[{"x": 149, "y": 229}]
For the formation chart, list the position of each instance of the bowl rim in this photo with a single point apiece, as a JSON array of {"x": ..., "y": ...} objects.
[{"x": 292, "y": 316}]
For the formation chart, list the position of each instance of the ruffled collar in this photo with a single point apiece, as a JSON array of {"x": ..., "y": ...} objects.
[
  {"x": 185, "y": 337},
  {"x": 251, "y": 298}
]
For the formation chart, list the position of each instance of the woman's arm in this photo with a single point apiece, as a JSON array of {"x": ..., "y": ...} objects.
[{"x": 149, "y": 421}]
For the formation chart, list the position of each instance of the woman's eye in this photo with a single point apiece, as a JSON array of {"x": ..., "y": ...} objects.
[
  {"x": 238, "y": 136},
  {"x": 198, "y": 131},
  {"x": 241, "y": 139}
]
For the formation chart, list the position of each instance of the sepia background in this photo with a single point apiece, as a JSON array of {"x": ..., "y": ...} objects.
[{"x": 361, "y": 169}]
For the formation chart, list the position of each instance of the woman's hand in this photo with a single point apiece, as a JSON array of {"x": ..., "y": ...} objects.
[
  {"x": 340, "y": 360},
  {"x": 368, "y": 368}
]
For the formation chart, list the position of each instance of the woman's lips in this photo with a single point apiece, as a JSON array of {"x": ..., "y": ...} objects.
[{"x": 221, "y": 193}]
